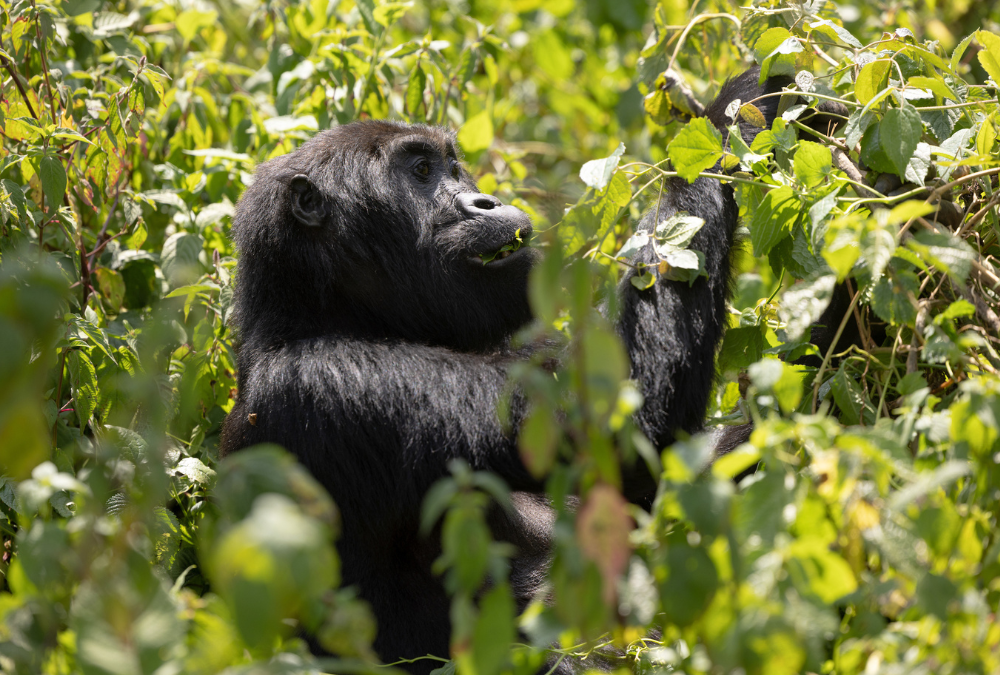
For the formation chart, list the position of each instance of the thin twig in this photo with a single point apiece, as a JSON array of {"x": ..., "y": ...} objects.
[
  {"x": 10, "y": 69},
  {"x": 830, "y": 351},
  {"x": 104, "y": 228},
  {"x": 45, "y": 64},
  {"x": 692, "y": 23}
]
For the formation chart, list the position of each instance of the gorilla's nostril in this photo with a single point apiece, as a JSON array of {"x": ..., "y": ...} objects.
[
  {"x": 486, "y": 202},
  {"x": 473, "y": 203}
]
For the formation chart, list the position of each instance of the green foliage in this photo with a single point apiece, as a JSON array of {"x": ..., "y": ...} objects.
[{"x": 865, "y": 541}]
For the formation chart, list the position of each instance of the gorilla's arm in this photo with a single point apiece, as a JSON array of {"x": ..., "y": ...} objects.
[{"x": 672, "y": 330}]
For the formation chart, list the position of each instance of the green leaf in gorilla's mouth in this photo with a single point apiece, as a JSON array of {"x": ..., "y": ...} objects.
[{"x": 505, "y": 250}]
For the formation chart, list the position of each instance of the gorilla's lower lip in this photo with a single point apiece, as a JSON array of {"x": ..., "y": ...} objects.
[{"x": 500, "y": 258}]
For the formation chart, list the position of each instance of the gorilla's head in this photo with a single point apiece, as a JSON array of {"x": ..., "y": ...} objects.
[{"x": 374, "y": 229}]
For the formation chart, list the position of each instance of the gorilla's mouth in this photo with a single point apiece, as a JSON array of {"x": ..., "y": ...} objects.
[{"x": 505, "y": 251}]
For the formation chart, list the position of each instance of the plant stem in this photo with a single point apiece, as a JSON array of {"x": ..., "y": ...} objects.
[
  {"x": 829, "y": 352},
  {"x": 45, "y": 64},
  {"x": 10, "y": 69}
]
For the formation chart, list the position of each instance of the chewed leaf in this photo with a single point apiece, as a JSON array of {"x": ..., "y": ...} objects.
[
  {"x": 516, "y": 243},
  {"x": 635, "y": 243},
  {"x": 597, "y": 172}
]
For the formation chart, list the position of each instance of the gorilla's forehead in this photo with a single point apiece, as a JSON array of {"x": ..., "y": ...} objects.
[{"x": 379, "y": 139}]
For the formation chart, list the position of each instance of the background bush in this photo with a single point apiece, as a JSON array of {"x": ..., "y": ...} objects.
[{"x": 866, "y": 542}]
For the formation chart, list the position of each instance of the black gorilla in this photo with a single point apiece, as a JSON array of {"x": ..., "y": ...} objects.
[{"x": 374, "y": 344}]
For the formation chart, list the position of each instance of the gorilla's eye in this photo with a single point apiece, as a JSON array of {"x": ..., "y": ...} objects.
[
  {"x": 455, "y": 170},
  {"x": 422, "y": 169}
]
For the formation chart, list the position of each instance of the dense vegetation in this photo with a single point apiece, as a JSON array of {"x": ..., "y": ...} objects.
[{"x": 866, "y": 541}]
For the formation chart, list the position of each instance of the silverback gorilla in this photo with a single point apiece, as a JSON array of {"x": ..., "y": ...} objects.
[{"x": 373, "y": 344}]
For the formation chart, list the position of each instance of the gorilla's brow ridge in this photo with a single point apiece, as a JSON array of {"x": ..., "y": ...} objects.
[{"x": 421, "y": 144}]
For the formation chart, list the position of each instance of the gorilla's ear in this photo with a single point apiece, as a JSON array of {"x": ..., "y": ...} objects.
[{"x": 307, "y": 202}]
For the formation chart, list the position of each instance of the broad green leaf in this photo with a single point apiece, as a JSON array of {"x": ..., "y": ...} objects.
[
  {"x": 893, "y": 297},
  {"x": 741, "y": 347},
  {"x": 986, "y": 137},
  {"x": 706, "y": 505},
  {"x": 736, "y": 462},
  {"x": 822, "y": 208},
  {"x": 696, "y": 148},
  {"x": 112, "y": 287},
  {"x": 913, "y": 208},
  {"x": 775, "y": 52},
  {"x": 919, "y": 164},
  {"x": 138, "y": 236},
  {"x": 802, "y": 305},
  {"x": 989, "y": 57},
  {"x": 957, "y": 309},
  {"x": 877, "y": 247},
  {"x": 753, "y": 115},
  {"x": 774, "y": 219},
  {"x": 683, "y": 265},
  {"x": 635, "y": 243},
  {"x": 494, "y": 631},
  {"x": 948, "y": 252},
  {"x": 538, "y": 441},
  {"x": 856, "y": 126},
  {"x": 643, "y": 281},
  {"x": 618, "y": 193},
  {"x": 85, "y": 391},
  {"x": 871, "y": 80},
  {"x": 976, "y": 425},
  {"x": 739, "y": 147},
  {"x": 769, "y": 41},
  {"x": 813, "y": 163},
  {"x": 366, "y": 8},
  {"x": 477, "y": 132},
  {"x": 195, "y": 470},
  {"x": 788, "y": 388},
  {"x": 835, "y": 31},
  {"x": 936, "y": 593},
  {"x": 53, "y": 176},
  {"x": 415, "y": 90},
  {"x": 676, "y": 232},
  {"x": 691, "y": 582},
  {"x": 818, "y": 572},
  {"x": 765, "y": 373},
  {"x": 387, "y": 13},
  {"x": 873, "y": 150},
  {"x": 597, "y": 172},
  {"x": 264, "y": 577},
  {"x": 935, "y": 84},
  {"x": 849, "y": 397},
  {"x": 959, "y": 52},
  {"x": 180, "y": 258},
  {"x": 899, "y": 134},
  {"x": 780, "y": 135},
  {"x": 190, "y": 21},
  {"x": 191, "y": 289}
]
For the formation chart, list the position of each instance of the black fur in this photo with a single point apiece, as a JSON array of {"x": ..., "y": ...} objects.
[{"x": 374, "y": 346}]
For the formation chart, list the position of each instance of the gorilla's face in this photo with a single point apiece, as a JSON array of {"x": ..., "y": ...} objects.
[
  {"x": 472, "y": 235},
  {"x": 390, "y": 223}
]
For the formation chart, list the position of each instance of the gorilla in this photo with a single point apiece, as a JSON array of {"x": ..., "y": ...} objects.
[{"x": 376, "y": 294}]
